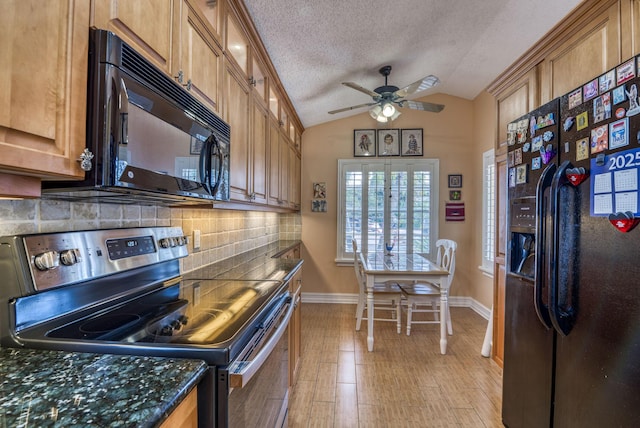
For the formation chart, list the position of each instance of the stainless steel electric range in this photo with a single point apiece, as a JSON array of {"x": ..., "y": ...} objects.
[{"x": 120, "y": 291}]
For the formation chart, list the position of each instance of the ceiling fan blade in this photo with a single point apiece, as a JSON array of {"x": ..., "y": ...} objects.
[
  {"x": 361, "y": 89},
  {"x": 420, "y": 85},
  {"x": 351, "y": 108},
  {"x": 419, "y": 105}
]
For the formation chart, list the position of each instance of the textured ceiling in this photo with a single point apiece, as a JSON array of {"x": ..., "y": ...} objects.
[{"x": 316, "y": 45}]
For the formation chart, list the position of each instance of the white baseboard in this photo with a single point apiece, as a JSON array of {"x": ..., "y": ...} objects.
[{"x": 352, "y": 299}]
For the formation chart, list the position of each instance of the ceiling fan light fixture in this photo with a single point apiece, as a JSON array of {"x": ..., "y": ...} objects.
[
  {"x": 388, "y": 110},
  {"x": 376, "y": 112}
]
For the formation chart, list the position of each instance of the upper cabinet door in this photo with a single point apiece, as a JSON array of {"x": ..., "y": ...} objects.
[
  {"x": 590, "y": 52},
  {"x": 200, "y": 57},
  {"x": 146, "y": 25},
  {"x": 237, "y": 45},
  {"x": 43, "y": 85}
]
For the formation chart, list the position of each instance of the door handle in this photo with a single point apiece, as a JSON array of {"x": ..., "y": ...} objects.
[
  {"x": 563, "y": 317},
  {"x": 541, "y": 243}
]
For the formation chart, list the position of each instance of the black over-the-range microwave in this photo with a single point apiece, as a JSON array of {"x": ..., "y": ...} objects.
[{"x": 149, "y": 141}]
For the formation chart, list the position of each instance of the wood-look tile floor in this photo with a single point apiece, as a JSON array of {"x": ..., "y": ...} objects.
[{"x": 404, "y": 382}]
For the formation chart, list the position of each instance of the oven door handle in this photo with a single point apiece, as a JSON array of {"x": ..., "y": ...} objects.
[{"x": 240, "y": 375}]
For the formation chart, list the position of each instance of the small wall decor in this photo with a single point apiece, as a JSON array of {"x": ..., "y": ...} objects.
[
  {"x": 320, "y": 190},
  {"x": 454, "y": 211},
  {"x": 455, "y": 195},
  {"x": 388, "y": 142},
  {"x": 319, "y": 205},
  {"x": 411, "y": 143},
  {"x": 364, "y": 142},
  {"x": 455, "y": 181}
]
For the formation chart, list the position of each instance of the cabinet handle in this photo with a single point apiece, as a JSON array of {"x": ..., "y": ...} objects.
[
  {"x": 180, "y": 78},
  {"x": 252, "y": 81}
]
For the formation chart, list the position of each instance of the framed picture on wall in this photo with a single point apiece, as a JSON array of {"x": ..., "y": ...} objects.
[
  {"x": 388, "y": 142},
  {"x": 364, "y": 142},
  {"x": 455, "y": 181},
  {"x": 411, "y": 143}
]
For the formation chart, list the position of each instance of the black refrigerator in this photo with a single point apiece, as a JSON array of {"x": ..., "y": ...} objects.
[{"x": 572, "y": 310}]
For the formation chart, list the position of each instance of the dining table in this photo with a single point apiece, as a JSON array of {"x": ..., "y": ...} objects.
[{"x": 381, "y": 267}]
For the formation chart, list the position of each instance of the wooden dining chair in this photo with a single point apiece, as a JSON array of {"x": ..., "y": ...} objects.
[
  {"x": 386, "y": 296},
  {"x": 424, "y": 297}
]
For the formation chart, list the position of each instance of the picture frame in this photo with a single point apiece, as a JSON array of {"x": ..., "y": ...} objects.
[
  {"x": 455, "y": 181},
  {"x": 320, "y": 190},
  {"x": 455, "y": 195},
  {"x": 411, "y": 142},
  {"x": 319, "y": 205},
  {"x": 388, "y": 142},
  {"x": 364, "y": 142}
]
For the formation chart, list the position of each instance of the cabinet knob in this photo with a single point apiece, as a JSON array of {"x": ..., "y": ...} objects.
[{"x": 85, "y": 160}]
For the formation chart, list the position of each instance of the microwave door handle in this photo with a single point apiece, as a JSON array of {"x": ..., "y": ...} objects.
[
  {"x": 220, "y": 156},
  {"x": 123, "y": 112},
  {"x": 205, "y": 163}
]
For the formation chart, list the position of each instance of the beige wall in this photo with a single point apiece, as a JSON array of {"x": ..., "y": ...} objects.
[{"x": 448, "y": 136}]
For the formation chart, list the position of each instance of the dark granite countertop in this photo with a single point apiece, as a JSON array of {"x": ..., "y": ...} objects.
[{"x": 67, "y": 389}]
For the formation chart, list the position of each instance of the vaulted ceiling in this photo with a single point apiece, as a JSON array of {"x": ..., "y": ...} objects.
[{"x": 316, "y": 45}]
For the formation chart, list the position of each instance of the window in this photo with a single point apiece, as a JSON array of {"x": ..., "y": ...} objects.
[
  {"x": 387, "y": 201},
  {"x": 488, "y": 210}
]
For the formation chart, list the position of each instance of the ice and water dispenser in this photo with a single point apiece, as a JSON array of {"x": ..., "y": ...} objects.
[{"x": 523, "y": 235}]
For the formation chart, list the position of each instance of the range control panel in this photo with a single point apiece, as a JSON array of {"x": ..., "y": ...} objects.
[{"x": 68, "y": 257}]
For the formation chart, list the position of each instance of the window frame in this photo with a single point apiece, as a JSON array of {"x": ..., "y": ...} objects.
[
  {"x": 489, "y": 189},
  {"x": 344, "y": 252}
]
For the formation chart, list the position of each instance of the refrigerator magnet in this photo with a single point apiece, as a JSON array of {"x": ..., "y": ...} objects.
[
  {"x": 624, "y": 222},
  {"x": 547, "y": 136},
  {"x": 521, "y": 174},
  {"x": 536, "y": 143},
  {"x": 547, "y": 153},
  {"x": 618, "y": 133},
  {"x": 576, "y": 175},
  {"x": 526, "y": 147},
  {"x": 510, "y": 159},
  {"x": 634, "y": 108},
  {"x": 625, "y": 71},
  {"x": 607, "y": 81},
  {"x": 602, "y": 108},
  {"x": 590, "y": 90},
  {"x": 512, "y": 177},
  {"x": 568, "y": 123},
  {"x": 582, "y": 149},
  {"x": 582, "y": 121},
  {"x": 599, "y": 139},
  {"x": 517, "y": 154},
  {"x": 575, "y": 98},
  {"x": 536, "y": 163},
  {"x": 619, "y": 94},
  {"x": 533, "y": 126}
]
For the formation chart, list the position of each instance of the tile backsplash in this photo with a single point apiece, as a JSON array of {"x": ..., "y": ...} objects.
[{"x": 224, "y": 233}]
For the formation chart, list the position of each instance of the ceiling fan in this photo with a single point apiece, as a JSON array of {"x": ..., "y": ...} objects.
[{"x": 387, "y": 97}]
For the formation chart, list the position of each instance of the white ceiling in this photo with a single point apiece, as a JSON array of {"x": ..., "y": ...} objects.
[{"x": 317, "y": 44}]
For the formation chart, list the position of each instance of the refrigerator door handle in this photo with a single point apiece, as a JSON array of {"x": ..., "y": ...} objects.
[
  {"x": 542, "y": 243},
  {"x": 562, "y": 319}
]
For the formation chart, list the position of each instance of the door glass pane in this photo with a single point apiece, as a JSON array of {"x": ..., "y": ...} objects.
[
  {"x": 398, "y": 230},
  {"x": 375, "y": 210},
  {"x": 353, "y": 208},
  {"x": 421, "y": 211}
]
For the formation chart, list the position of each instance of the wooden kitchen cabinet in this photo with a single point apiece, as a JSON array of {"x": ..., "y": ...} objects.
[
  {"x": 236, "y": 113},
  {"x": 43, "y": 83},
  {"x": 176, "y": 35},
  {"x": 146, "y": 25},
  {"x": 200, "y": 55},
  {"x": 186, "y": 414}
]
